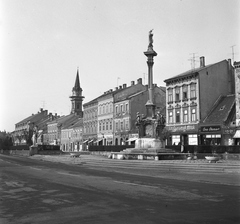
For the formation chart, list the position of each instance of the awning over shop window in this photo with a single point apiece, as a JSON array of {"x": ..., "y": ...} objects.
[
  {"x": 99, "y": 140},
  {"x": 237, "y": 134},
  {"x": 85, "y": 141},
  {"x": 90, "y": 141},
  {"x": 132, "y": 139}
]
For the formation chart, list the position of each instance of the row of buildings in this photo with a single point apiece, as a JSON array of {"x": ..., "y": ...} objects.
[{"x": 201, "y": 106}]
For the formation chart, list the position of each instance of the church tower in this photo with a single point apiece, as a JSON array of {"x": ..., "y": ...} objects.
[{"x": 77, "y": 98}]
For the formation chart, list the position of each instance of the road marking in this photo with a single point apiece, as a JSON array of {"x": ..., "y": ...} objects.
[{"x": 140, "y": 185}]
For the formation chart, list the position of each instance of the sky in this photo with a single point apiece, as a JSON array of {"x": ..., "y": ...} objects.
[{"x": 44, "y": 42}]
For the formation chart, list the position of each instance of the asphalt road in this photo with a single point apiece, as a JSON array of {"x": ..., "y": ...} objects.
[{"x": 94, "y": 190}]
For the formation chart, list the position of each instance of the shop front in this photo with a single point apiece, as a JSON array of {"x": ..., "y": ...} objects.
[
  {"x": 210, "y": 135},
  {"x": 236, "y": 137},
  {"x": 228, "y": 136},
  {"x": 183, "y": 134}
]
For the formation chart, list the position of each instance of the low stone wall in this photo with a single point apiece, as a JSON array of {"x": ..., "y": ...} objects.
[
  {"x": 15, "y": 152},
  {"x": 100, "y": 153},
  {"x": 171, "y": 156},
  {"x": 30, "y": 152}
]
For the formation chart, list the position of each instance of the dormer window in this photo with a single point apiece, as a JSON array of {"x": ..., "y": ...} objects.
[{"x": 223, "y": 107}]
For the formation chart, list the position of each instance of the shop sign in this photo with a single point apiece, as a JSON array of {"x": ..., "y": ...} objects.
[
  {"x": 182, "y": 128},
  {"x": 211, "y": 129},
  {"x": 133, "y": 135},
  {"x": 229, "y": 131},
  {"x": 108, "y": 137}
]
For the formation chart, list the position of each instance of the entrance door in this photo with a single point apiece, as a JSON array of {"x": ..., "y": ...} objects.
[{"x": 185, "y": 139}]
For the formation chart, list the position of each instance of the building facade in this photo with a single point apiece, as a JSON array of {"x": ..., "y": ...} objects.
[
  {"x": 237, "y": 100},
  {"x": 22, "y": 135},
  {"x": 190, "y": 97},
  {"x": 72, "y": 136},
  {"x": 90, "y": 122}
]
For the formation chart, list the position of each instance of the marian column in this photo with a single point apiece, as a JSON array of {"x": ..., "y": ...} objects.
[{"x": 150, "y": 53}]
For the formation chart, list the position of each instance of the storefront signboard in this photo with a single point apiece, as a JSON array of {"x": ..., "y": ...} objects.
[
  {"x": 210, "y": 129},
  {"x": 182, "y": 128},
  {"x": 229, "y": 131},
  {"x": 133, "y": 135}
]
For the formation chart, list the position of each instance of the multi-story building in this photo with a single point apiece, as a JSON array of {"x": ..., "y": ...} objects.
[
  {"x": 105, "y": 118},
  {"x": 71, "y": 136},
  {"x": 126, "y": 108},
  {"x": 24, "y": 129},
  {"x": 237, "y": 100},
  {"x": 190, "y": 97},
  {"x": 90, "y": 122},
  {"x": 77, "y": 135},
  {"x": 107, "y": 109}
]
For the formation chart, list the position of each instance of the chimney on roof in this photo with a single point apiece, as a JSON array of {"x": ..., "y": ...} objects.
[
  {"x": 132, "y": 83},
  {"x": 120, "y": 87},
  {"x": 124, "y": 85},
  {"x": 139, "y": 81},
  {"x": 116, "y": 88},
  {"x": 229, "y": 63},
  {"x": 202, "y": 62}
]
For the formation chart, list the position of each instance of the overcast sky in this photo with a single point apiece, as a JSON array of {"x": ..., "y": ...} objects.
[{"x": 43, "y": 42}]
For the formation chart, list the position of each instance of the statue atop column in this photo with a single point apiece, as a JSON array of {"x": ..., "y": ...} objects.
[{"x": 150, "y": 45}]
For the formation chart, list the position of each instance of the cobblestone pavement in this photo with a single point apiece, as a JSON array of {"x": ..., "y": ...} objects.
[
  {"x": 200, "y": 170},
  {"x": 102, "y": 161}
]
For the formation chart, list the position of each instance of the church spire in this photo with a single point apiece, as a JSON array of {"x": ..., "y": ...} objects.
[
  {"x": 77, "y": 83},
  {"x": 77, "y": 97}
]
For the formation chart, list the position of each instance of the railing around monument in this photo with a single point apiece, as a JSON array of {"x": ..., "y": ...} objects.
[{"x": 108, "y": 148}]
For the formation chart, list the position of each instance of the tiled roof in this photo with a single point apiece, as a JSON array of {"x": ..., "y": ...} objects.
[
  {"x": 33, "y": 118},
  {"x": 68, "y": 121},
  {"x": 192, "y": 71},
  {"x": 220, "y": 112},
  {"x": 78, "y": 123}
]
